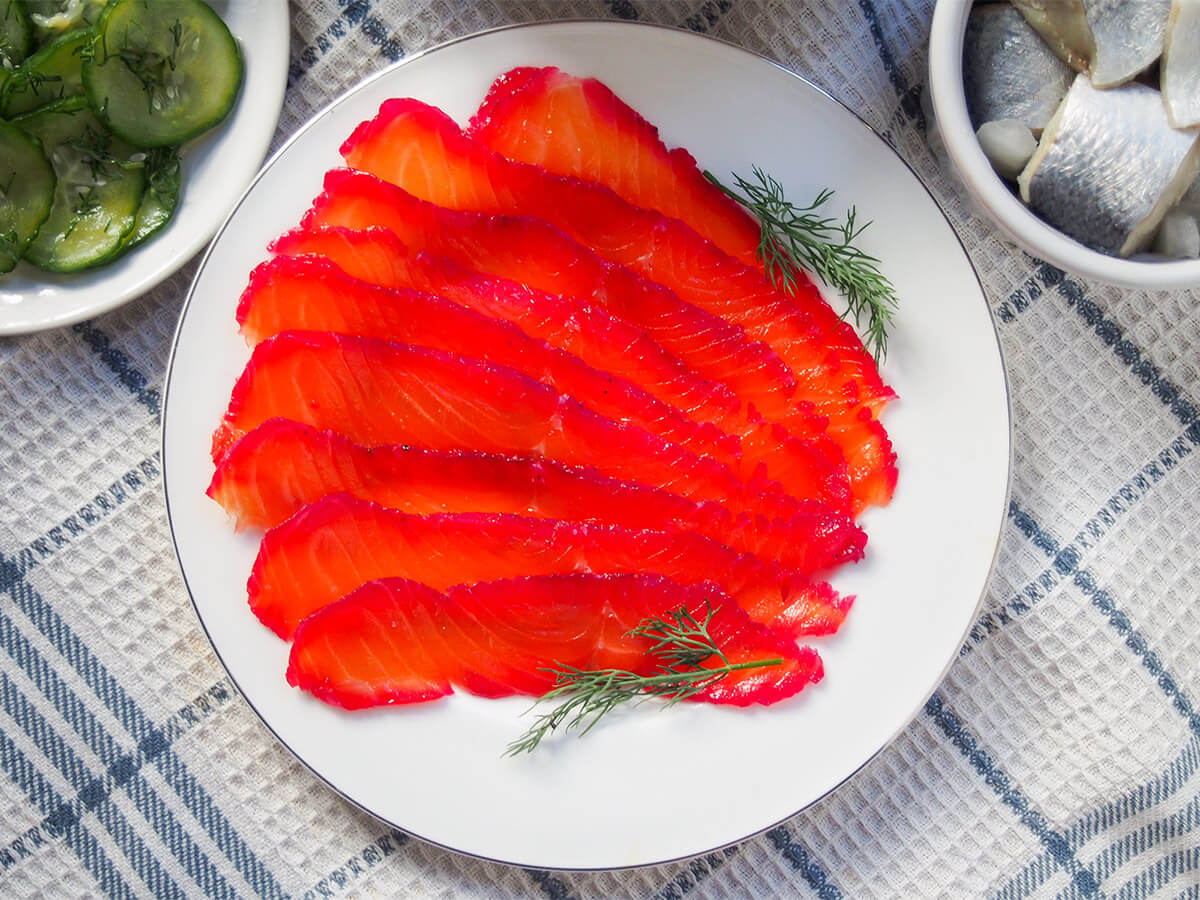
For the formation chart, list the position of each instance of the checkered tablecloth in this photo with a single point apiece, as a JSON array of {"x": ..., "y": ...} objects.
[{"x": 1058, "y": 758}]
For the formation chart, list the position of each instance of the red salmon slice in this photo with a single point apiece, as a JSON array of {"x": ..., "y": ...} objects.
[
  {"x": 535, "y": 253},
  {"x": 423, "y": 151},
  {"x": 419, "y": 148},
  {"x": 382, "y": 392},
  {"x": 333, "y": 546},
  {"x": 310, "y": 294},
  {"x": 587, "y": 330},
  {"x": 281, "y": 466},
  {"x": 395, "y": 641},
  {"x": 359, "y": 200},
  {"x": 577, "y": 126}
]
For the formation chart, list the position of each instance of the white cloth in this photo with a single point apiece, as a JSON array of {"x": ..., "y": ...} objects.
[{"x": 1058, "y": 758}]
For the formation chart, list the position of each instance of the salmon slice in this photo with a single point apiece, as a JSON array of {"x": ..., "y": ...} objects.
[
  {"x": 309, "y": 293},
  {"x": 359, "y": 200},
  {"x": 419, "y": 148},
  {"x": 423, "y": 151},
  {"x": 281, "y": 466},
  {"x": 535, "y": 253},
  {"x": 332, "y": 546},
  {"x": 577, "y": 126},
  {"x": 585, "y": 329},
  {"x": 397, "y": 641},
  {"x": 382, "y": 392}
]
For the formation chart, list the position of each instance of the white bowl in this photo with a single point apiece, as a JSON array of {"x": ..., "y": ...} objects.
[{"x": 993, "y": 193}]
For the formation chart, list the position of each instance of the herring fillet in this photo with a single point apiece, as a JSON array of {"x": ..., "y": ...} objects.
[
  {"x": 1109, "y": 166},
  {"x": 1180, "y": 75},
  {"x": 1129, "y": 37},
  {"x": 1008, "y": 70},
  {"x": 1111, "y": 40},
  {"x": 1063, "y": 25}
]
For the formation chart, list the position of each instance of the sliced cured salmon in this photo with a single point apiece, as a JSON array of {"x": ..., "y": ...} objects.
[
  {"x": 577, "y": 126},
  {"x": 382, "y": 392},
  {"x": 397, "y": 641},
  {"x": 332, "y": 546},
  {"x": 527, "y": 249},
  {"x": 535, "y": 253},
  {"x": 423, "y": 151},
  {"x": 419, "y": 148},
  {"x": 312, "y": 293},
  {"x": 588, "y": 330},
  {"x": 531, "y": 115},
  {"x": 282, "y": 466}
]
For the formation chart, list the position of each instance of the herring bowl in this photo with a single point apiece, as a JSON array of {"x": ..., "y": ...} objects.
[{"x": 994, "y": 195}]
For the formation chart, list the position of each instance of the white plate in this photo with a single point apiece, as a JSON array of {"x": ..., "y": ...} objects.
[
  {"x": 649, "y": 786},
  {"x": 216, "y": 169}
]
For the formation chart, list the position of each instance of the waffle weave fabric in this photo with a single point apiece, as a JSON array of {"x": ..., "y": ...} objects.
[{"x": 1059, "y": 757}]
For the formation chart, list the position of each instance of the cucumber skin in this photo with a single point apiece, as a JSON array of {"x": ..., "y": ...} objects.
[
  {"x": 11, "y": 254},
  {"x": 160, "y": 198},
  {"x": 100, "y": 100},
  {"x": 14, "y": 98},
  {"x": 16, "y": 20},
  {"x": 49, "y": 258},
  {"x": 50, "y": 262}
]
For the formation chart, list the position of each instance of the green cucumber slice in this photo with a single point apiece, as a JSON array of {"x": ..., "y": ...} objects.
[
  {"x": 160, "y": 197},
  {"x": 53, "y": 73},
  {"x": 99, "y": 188},
  {"x": 162, "y": 71},
  {"x": 26, "y": 192},
  {"x": 16, "y": 33}
]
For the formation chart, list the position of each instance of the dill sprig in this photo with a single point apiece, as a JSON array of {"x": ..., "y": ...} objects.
[
  {"x": 795, "y": 237},
  {"x": 27, "y": 80},
  {"x": 93, "y": 149},
  {"x": 585, "y": 696}
]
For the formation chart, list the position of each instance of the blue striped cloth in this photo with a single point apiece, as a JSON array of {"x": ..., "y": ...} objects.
[{"x": 1058, "y": 758}]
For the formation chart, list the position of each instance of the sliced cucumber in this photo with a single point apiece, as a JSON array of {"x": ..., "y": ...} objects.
[
  {"x": 26, "y": 192},
  {"x": 98, "y": 192},
  {"x": 16, "y": 33},
  {"x": 162, "y": 71},
  {"x": 160, "y": 197},
  {"x": 53, "y": 73}
]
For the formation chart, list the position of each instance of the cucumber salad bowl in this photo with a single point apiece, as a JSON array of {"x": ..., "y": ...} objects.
[{"x": 97, "y": 99}]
